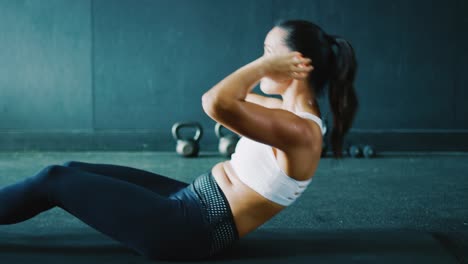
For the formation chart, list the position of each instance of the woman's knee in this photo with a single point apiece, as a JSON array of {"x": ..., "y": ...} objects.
[
  {"x": 71, "y": 163},
  {"x": 50, "y": 172},
  {"x": 51, "y": 169}
]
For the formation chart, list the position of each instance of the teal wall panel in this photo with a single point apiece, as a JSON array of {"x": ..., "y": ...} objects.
[
  {"x": 109, "y": 74},
  {"x": 45, "y": 74}
]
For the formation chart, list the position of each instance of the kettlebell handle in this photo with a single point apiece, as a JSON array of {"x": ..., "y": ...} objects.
[
  {"x": 218, "y": 128},
  {"x": 177, "y": 126}
]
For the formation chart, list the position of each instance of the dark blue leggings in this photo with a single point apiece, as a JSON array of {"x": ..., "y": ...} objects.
[{"x": 158, "y": 217}]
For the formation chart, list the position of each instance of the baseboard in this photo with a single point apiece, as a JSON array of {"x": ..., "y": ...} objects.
[{"x": 115, "y": 140}]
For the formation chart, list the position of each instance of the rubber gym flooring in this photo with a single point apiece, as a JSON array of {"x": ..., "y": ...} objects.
[{"x": 395, "y": 208}]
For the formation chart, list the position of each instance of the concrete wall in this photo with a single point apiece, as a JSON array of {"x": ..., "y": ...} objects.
[{"x": 108, "y": 74}]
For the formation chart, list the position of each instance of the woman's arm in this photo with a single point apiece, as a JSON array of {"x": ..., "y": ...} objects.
[
  {"x": 237, "y": 85},
  {"x": 226, "y": 103},
  {"x": 268, "y": 102}
]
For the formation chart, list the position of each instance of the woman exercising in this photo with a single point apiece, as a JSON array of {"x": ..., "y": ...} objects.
[{"x": 275, "y": 159}]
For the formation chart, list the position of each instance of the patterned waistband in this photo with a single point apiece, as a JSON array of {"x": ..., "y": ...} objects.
[{"x": 224, "y": 231}]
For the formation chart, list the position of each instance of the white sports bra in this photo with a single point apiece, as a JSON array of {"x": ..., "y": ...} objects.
[{"x": 256, "y": 166}]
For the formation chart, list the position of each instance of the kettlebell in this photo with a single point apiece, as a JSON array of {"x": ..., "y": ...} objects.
[
  {"x": 368, "y": 151},
  {"x": 355, "y": 151},
  {"x": 187, "y": 147},
  {"x": 227, "y": 143},
  {"x": 324, "y": 142}
]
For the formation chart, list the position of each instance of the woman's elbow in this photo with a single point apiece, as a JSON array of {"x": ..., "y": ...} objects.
[
  {"x": 215, "y": 105},
  {"x": 208, "y": 103}
]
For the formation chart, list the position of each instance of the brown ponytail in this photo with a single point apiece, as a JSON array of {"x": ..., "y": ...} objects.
[
  {"x": 334, "y": 63},
  {"x": 342, "y": 96}
]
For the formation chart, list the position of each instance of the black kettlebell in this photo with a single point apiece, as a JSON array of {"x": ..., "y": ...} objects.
[
  {"x": 324, "y": 142},
  {"x": 355, "y": 151},
  {"x": 324, "y": 150},
  {"x": 368, "y": 151},
  {"x": 187, "y": 147},
  {"x": 227, "y": 143}
]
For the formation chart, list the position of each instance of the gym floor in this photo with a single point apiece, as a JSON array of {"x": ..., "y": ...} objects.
[{"x": 395, "y": 208}]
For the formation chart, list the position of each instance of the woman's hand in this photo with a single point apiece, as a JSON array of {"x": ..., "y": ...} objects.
[{"x": 282, "y": 67}]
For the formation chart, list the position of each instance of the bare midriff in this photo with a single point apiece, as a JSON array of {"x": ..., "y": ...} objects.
[{"x": 249, "y": 208}]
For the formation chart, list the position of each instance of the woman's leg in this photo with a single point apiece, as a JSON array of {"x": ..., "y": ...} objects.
[
  {"x": 137, "y": 217},
  {"x": 160, "y": 184}
]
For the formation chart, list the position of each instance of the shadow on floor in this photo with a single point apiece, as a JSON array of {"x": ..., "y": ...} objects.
[{"x": 260, "y": 246}]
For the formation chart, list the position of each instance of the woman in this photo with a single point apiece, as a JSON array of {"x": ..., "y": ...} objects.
[{"x": 162, "y": 218}]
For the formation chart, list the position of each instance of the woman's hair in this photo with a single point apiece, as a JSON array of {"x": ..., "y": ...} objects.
[{"x": 337, "y": 68}]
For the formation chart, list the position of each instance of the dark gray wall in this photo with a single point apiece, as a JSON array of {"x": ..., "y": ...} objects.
[
  {"x": 152, "y": 67},
  {"x": 45, "y": 73},
  {"x": 461, "y": 71},
  {"x": 406, "y": 51},
  {"x": 108, "y": 74}
]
